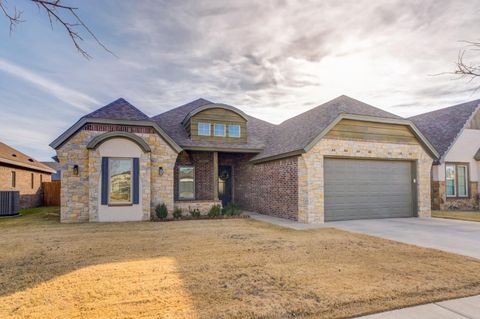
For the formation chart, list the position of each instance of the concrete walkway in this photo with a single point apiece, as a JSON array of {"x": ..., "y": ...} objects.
[
  {"x": 464, "y": 308},
  {"x": 283, "y": 222}
]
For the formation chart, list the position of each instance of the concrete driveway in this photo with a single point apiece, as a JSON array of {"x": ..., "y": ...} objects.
[{"x": 460, "y": 237}]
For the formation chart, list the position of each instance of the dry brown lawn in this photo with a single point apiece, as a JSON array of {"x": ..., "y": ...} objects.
[
  {"x": 214, "y": 269},
  {"x": 473, "y": 216}
]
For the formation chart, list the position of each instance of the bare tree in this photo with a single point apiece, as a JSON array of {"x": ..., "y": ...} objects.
[
  {"x": 465, "y": 69},
  {"x": 58, "y": 12}
]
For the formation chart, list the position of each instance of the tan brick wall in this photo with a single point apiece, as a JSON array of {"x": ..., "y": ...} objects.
[
  {"x": 29, "y": 197},
  {"x": 80, "y": 194},
  {"x": 311, "y": 184}
]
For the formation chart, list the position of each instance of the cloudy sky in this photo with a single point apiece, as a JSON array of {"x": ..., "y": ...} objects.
[{"x": 273, "y": 59}]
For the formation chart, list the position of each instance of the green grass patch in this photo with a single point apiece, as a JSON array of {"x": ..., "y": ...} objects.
[
  {"x": 36, "y": 215},
  {"x": 461, "y": 215}
]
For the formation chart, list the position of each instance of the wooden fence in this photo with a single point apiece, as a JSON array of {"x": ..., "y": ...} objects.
[{"x": 51, "y": 193}]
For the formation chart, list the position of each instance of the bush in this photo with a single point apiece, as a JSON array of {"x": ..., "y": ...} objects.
[
  {"x": 195, "y": 213},
  {"x": 215, "y": 211},
  {"x": 231, "y": 209},
  {"x": 161, "y": 211},
  {"x": 177, "y": 213}
]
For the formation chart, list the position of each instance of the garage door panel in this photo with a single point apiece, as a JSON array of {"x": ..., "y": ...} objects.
[{"x": 360, "y": 189}]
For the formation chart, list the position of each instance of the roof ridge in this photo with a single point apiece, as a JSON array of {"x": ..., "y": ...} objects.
[{"x": 444, "y": 109}]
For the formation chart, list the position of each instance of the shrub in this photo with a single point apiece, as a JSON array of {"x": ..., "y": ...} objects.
[
  {"x": 195, "y": 213},
  {"x": 161, "y": 211},
  {"x": 177, "y": 213},
  {"x": 215, "y": 211},
  {"x": 231, "y": 209}
]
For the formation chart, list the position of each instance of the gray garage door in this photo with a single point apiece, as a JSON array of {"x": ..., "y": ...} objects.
[{"x": 361, "y": 189}]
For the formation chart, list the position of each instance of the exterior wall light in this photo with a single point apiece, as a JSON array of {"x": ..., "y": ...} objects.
[
  {"x": 161, "y": 171},
  {"x": 75, "y": 170}
]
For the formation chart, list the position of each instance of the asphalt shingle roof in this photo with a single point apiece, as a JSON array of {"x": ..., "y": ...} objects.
[
  {"x": 119, "y": 109},
  {"x": 296, "y": 133},
  {"x": 171, "y": 122},
  {"x": 12, "y": 156},
  {"x": 442, "y": 127}
]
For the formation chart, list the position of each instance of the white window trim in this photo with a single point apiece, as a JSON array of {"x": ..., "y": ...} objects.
[
  {"x": 239, "y": 131},
  {"x": 193, "y": 192},
  {"x": 465, "y": 177},
  {"x": 110, "y": 179},
  {"x": 209, "y": 128},
  {"x": 224, "y": 130}
]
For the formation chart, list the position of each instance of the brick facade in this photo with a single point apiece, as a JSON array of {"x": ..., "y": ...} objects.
[
  {"x": 442, "y": 202},
  {"x": 269, "y": 188},
  {"x": 29, "y": 197},
  {"x": 203, "y": 163}
]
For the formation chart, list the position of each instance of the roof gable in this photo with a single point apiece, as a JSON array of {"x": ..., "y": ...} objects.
[
  {"x": 171, "y": 122},
  {"x": 442, "y": 127},
  {"x": 298, "y": 132},
  {"x": 119, "y": 109}
]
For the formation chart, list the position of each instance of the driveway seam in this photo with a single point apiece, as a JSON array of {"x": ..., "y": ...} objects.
[{"x": 453, "y": 310}]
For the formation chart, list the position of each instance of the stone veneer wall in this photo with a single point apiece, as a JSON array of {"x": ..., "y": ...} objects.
[
  {"x": 269, "y": 188},
  {"x": 79, "y": 194},
  {"x": 29, "y": 197},
  {"x": 440, "y": 200},
  {"x": 310, "y": 181},
  {"x": 202, "y": 205}
]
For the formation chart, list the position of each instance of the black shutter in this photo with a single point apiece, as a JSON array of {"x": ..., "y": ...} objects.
[
  {"x": 136, "y": 180},
  {"x": 104, "y": 181}
]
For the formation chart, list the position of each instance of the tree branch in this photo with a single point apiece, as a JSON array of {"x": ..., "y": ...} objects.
[
  {"x": 65, "y": 15},
  {"x": 14, "y": 18}
]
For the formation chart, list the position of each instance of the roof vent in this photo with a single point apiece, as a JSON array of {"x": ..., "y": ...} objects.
[
  {"x": 14, "y": 155},
  {"x": 30, "y": 160}
]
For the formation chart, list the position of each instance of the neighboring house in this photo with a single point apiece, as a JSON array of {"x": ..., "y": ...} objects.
[
  {"x": 20, "y": 172},
  {"x": 341, "y": 160},
  {"x": 455, "y": 133},
  {"x": 55, "y": 166}
]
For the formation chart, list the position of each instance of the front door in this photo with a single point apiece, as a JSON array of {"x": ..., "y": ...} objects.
[{"x": 225, "y": 184}]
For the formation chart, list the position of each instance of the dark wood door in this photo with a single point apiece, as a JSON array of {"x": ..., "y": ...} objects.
[{"x": 225, "y": 184}]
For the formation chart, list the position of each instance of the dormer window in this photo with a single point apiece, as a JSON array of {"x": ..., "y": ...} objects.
[
  {"x": 204, "y": 129},
  {"x": 234, "y": 130},
  {"x": 219, "y": 130}
]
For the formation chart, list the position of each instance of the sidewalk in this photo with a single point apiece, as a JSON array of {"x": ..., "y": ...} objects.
[{"x": 463, "y": 308}]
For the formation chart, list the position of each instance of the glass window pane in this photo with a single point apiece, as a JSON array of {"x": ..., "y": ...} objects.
[
  {"x": 450, "y": 180},
  {"x": 219, "y": 130},
  {"x": 204, "y": 129},
  {"x": 234, "y": 130},
  {"x": 462, "y": 181},
  {"x": 186, "y": 183},
  {"x": 120, "y": 180}
]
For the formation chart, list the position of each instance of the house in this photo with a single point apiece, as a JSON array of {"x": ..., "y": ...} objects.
[
  {"x": 20, "y": 172},
  {"x": 341, "y": 160},
  {"x": 455, "y": 133}
]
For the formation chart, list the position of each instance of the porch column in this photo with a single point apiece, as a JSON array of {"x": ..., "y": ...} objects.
[{"x": 215, "y": 175}]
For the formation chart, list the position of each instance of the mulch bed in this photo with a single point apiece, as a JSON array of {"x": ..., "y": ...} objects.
[{"x": 203, "y": 217}]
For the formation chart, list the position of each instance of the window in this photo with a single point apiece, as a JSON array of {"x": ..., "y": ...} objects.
[
  {"x": 120, "y": 181},
  {"x": 186, "y": 182},
  {"x": 219, "y": 130},
  {"x": 456, "y": 177},
  {"x": 234, "y": 130},
  {"x": 32, "y": 180},
  {"x": 204, "y": 129},
  {"x": 14, "y": 179}
]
